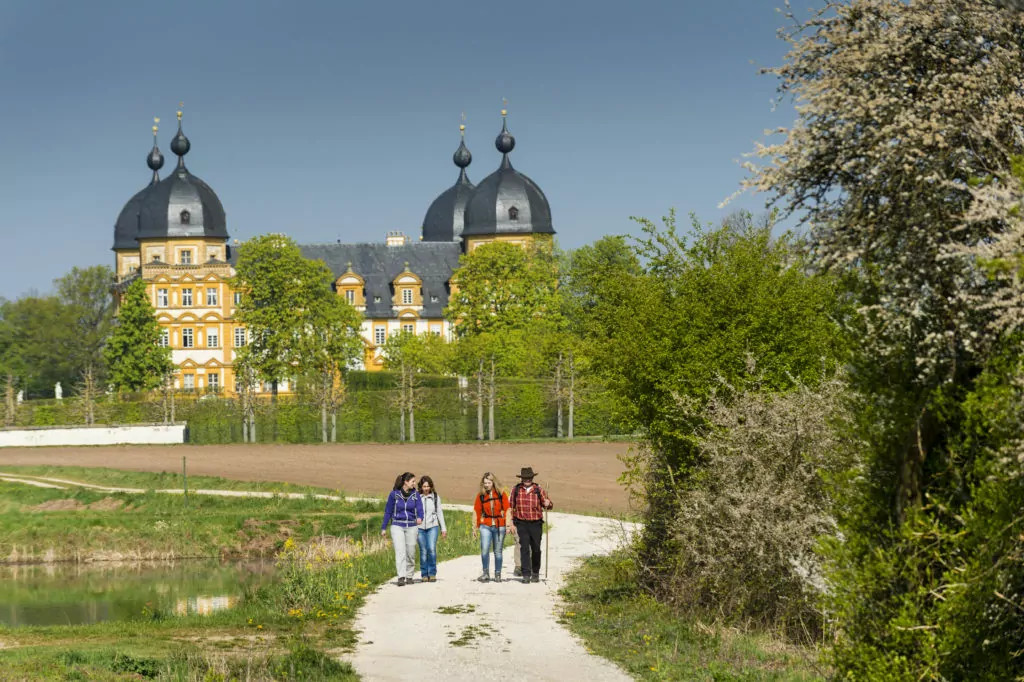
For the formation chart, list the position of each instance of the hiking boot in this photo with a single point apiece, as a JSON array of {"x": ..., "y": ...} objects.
[
  {"x": 432, "y": 579},
  {"x": 518, "y": 572},
  {"x": 484, "y": 577},
  {"x": 497, "y": 576},
  {"x": 526, "y": 579},
  {"x": 401, "y": 582},
  {"x": 535, "y": 579}
]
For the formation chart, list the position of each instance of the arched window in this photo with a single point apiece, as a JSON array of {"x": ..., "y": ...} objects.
[
  {"x": 186, "y": 217},
  {"x": 513, "y": 213}
]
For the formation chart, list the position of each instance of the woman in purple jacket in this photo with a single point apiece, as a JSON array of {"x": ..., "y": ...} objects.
[{"x": 404, "y": 511}]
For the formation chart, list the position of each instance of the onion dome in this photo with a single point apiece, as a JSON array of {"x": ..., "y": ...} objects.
[
  {"x": 181, "y": 205},
  {"x": 506, "y": 201},
  {"x": 127, "y": 226},
  {"x": 444, "y": 219}
]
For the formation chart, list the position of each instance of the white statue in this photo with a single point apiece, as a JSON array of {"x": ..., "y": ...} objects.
[
  {"x": 21, "y": 396},
  {"x": 58, "y": 392}
]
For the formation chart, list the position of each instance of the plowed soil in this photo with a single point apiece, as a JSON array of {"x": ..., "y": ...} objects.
[{"x": 581, "y": 477}]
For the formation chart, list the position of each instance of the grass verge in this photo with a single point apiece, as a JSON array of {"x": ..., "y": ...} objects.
[
  {"x": 289, "y": 628},
  {"x": 605, "y": 607}
]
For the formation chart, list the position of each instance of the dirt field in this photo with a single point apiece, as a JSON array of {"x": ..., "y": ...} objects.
[{"x": 580, "y": 477}]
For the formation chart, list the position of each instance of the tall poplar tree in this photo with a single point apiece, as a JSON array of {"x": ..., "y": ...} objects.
[{"x": 135, "y": 359}]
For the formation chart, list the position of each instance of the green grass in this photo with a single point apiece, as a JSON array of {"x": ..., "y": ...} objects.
[
  {"x": 166, "y": 480},
  {"x": 291, "y": 627},
  {"x": 607, "y": 609},
  {"x": 159, "y": 525}
]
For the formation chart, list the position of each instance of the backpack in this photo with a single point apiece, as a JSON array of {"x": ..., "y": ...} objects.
[
  {"x": 483, "y": 509},
  {"x": 515, "y": 494}
]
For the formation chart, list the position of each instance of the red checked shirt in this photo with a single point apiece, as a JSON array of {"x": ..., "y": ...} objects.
[{"x": 526, "y": 506}]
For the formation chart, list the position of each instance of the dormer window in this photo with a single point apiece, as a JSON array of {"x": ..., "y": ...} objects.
[
  {"x": 406, "y": 296},
  {"x": 186, "y": 257},
  {"x": 186, "y": 217},
  {"x": 433, "y": 299},
  {"x": 513, "y": 213},
  {"x": 156, "y": 258},
  {"x": 376, "y": 299}
]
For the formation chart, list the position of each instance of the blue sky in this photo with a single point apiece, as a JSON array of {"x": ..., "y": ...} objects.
[{"x": 330, "y": 120}]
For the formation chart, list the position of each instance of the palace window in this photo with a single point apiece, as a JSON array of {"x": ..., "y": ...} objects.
[
  {"x": 211, "y": 297},
  {"x": 186, "y": 297},
  {"x": 513, "y": 213},
  {"x": 189, "y": 382},
  {"x": 186, "y": 217},
  {"x": 238, "y": 298},
  {"x": 186, "y": 257},
  {"x": 380, "y": 335},
  {"x": 350, "y": 296},
  {"x": 165, "y": 338},
  {"x": 436, "y": 331},
  {"x": 186, "y": 338},
  {"x": 213, "y": 381},
  {"x": 408, "y": 328},
  {"x": 406, "y": 296},
  {"x": 156, "y": 258},
  {"x": 239, "y": 337},
  {"x": 212, "y": 338},
  {"x": 376, "y": 299},
  {"x": 162, "y": 299},
  {"x": 433, "y": 299}
]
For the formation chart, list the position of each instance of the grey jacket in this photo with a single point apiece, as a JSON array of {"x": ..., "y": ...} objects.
[{"x": 433, "y": 515}]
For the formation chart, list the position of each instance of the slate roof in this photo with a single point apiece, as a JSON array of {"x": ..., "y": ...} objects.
[
  {"x": 127, "y": 226},
  {"x": 487, "y": 212},
  {"x": 379, "y": 264},
  {"x": 161, "y": 207},
  {"x": 444, "y": 219}
]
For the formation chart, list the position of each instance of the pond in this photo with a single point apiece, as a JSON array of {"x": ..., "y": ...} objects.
[{"x": 81, "y": 594}]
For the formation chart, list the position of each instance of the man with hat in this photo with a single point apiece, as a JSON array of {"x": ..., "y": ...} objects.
[{"x": 526, "y": 519}]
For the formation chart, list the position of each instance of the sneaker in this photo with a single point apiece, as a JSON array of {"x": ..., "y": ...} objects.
[
  {"x": 518, "y": 572},
  {"x": 497, "y": 576},
  {"x": 526, "y": 579},
  {"x": 484, "y": 577},
  {"x": 535, "y": 579},
  {"x": 401, "y": 582},
  {"x": 432, "y": 579}
]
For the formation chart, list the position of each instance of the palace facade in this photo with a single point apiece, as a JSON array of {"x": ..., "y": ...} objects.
[{"x": 173, "y": 234}]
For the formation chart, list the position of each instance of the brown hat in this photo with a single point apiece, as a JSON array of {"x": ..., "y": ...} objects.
[{"x": 526, "y": 472}]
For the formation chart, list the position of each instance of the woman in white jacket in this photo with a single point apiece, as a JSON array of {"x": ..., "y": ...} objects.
[{"x": 433, "y": 523}]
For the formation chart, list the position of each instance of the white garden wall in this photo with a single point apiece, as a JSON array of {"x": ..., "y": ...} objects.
[{"x": 139, "y": 434}]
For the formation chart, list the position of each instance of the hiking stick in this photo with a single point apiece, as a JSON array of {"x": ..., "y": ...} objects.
[{"x": 547, "y": 544}]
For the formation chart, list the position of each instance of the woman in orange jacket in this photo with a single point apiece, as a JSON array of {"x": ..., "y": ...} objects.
[{"x": 490, "y": 508}]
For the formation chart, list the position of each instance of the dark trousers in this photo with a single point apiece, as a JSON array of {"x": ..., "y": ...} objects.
[{"x": 529, "y": 545}]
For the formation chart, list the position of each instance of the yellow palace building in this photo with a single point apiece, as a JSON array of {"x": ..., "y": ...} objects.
[{"x": 174, "y": 235}]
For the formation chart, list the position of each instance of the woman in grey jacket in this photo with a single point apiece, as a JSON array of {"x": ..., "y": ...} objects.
[{"x": 433, "y": 523}]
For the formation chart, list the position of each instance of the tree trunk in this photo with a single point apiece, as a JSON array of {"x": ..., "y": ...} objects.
[
  {"x": 323, "y": 420},
  {"x": 572, "y": 395},
  {"x": 334, "y": 426},
  {"x": 172, "y": 404},
  {"x": 89, "y": 393},
  {"x": 273, "y": 392},
  {"x": 412, "y": 425},
  {"x": 11, "y": 405},
  {"x": 480, "y": 401},
  {"x": 558, "y": 397},
  {"x": 490, "y": 405}
]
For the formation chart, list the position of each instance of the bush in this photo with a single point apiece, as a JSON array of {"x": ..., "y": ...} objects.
[{"x": 745, "y": 532}]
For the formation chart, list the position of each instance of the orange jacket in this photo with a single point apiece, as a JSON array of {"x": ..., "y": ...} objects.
[{"x": 491, "y": 510}]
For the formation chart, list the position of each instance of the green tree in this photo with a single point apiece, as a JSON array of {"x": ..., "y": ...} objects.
[
  {"x": 670, "y": 324},
  {"x": 135, "y": 359},
  {"x": 89, "y": 310},
  {"x": 328, "y": 345},
  {"x": 412, "y": 356},
  {"x": 279, "y": 289}
]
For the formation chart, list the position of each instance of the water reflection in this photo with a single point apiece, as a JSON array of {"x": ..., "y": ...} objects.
[{"x": 77, "y": 594}]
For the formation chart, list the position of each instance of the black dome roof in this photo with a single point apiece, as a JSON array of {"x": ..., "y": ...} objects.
[
  {"x": 506, "y": 201},
  {"x": 127, "y": 226},
  {"x": 444, "y": 219},
  {"x": 164, "y": 206}
]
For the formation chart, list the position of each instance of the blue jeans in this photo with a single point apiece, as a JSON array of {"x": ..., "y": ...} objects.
[
  {"x": 491, "y": 535},
  {"x": 428, "y": 551}
]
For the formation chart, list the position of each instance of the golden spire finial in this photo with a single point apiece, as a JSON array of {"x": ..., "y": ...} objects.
[
  {"x": 462, "y": 126},
  {"x": 504, "y": 107},
  {"x": 156, "y": 120},
  {"x": 181, "y": 105}
]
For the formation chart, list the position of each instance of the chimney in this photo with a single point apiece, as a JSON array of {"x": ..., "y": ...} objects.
[{"x": 396, "y": 238}]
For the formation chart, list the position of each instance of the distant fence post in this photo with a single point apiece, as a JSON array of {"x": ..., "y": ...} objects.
[{"x": 184, "y": 480}]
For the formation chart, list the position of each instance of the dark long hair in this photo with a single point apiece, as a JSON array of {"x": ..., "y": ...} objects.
[
  {"x": 426, "y": 479},
  {"x": 402, "y": 478}
]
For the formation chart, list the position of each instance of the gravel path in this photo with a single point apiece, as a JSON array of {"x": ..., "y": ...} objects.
[{"x": 460, "y": 629}]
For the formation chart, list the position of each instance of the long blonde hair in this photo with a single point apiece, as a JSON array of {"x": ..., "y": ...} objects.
[{"x": 498, "y": 488}]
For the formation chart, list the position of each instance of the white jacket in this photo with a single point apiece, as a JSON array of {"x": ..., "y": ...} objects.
[{"x": 433, "y": 515}]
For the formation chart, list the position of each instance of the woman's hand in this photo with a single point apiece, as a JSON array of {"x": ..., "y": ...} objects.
[
  {"x": 419, "y": 522},
  {"x": 383, "y": 533},
  {"x": 444, "y": 534},
  {"x": 475, "y": 532}
]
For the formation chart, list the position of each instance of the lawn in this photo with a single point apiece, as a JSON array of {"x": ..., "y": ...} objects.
[
  {"x": 293, "y": 626},
  {"x": 606, "y": 608}
]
